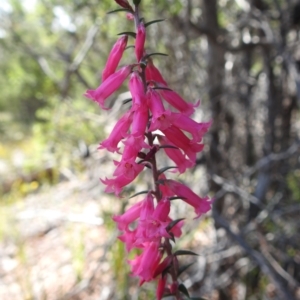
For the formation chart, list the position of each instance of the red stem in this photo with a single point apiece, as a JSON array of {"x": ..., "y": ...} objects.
[{"x": 155, "y": 173}]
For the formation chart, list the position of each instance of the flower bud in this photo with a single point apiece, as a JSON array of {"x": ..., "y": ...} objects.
[
  {"x": 140, "y": 41},
  {"x": 130, "y": 16},
  {"x": 201, "y": 205},
  {"x": 161, "y": 287},
  {"x": 114, "y": 57},
  {"x": 109, "y": 86},
  {"x": 124, "y": 4},
  {"x": 152, "y": 73}
]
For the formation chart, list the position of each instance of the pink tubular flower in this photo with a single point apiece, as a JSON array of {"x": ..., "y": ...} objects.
[
  {"x": 140, "y": 41},
  {"x": 180, "y": 140},
  {"x": 133, "y": 145},
  {"x": 136, "y": 88},
  {"x": 114, "y": 57},
  {"x": 177, "y": 102},
  {"x": 145, "y": 264},
  {"x": 129, "y": 239},
  {"x": 140, "y": 120},
  {"x": 108, "y": 87},
  {"x": 165, "y": 190},
  {"x": 154, "y": 102},
  {"x": 201, "y": 205},
  {"x": 187, "y": 124},
  {"x": 161, "y": 118},
  {"x": 148, "y": 207},
  {"x": 115, "y": 185},
  {"x": 160, "y": 290},
  {"x": 131, "y": 215},
  {"x": 163, "y": 265},
  {"x": 118, "y": 133},
  {"x": 162, "y": 210},
  {"x": 128, "y": 168},
  {"x": 153, "y": 222},
  {"x": 153, "y": 74},
  {"x": 176, "y": 155}
]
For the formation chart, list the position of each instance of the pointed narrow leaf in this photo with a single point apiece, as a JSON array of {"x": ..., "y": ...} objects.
[
  {"x": 130, "y": 46},
  {"x": 173, "y": 223},
  {"x": 153, "y": 22},
  {"x": 162, "y": 88},
  {"x": 166, "y": 295},
  {"x": 162, "y": 170},
  {"x": 155, "y": 53},
  {"x": 130, "y": 33},
  {"x": 165, "y": 271},
  {"x": 185, "y": 252},
  {"x": 139, "y": 193},
  {"x": 168, "y": 146},
  {"x": 143, "y": 64},
  {"x": 183, "y": 290},
  {"x": 126, "y": 100},
  {"x": 176, "y": 198},
  {"x": 184, "y": 268},
  {"x": 172, "y": 237},
  {"x": 147, "y": 165},
  {"x": 118, "y": 10}
]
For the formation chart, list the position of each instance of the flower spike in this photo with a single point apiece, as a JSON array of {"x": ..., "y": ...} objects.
[{"x": 150, "y": 127}]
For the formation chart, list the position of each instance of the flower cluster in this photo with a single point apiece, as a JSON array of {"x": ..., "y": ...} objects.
[{"x": 158, "y": 120}]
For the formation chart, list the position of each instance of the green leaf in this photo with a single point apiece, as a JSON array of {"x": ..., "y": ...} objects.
[
  {"x": 130, "y": 33},
  {"x": 173, "y": 223},
  {"x": 162, "y": 88},
  {"x": 172, "y": 237},
  {"x": 126, "y": 100},
  {"x": 153, "y": 22},
  {"x": 118, "y": 10},
  {"x": 185, "y": 252},
  {"x": 139, "y": 193},
  {"x": 166, "y": 295},
  {"x": 184, "y": 268},
  {"x": 154, "y": 53},
  {"x": 176, "y": 198},
  {"x": 197, "y": 298},
  {"x": 183, "y": 290},
  {"x": 162, "y": 170},
  {"x": 130, "y": 46}
]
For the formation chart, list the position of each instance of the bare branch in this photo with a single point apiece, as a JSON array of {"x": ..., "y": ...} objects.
[{"x": 259, "y": 258}]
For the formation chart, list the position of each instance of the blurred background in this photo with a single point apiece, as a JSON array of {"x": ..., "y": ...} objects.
[{"x": 240, "y": 57}]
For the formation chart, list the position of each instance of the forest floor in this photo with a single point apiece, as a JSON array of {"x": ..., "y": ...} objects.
[
  {"x": 53, "y": 243},
  {"x": 59, "y": 242}
]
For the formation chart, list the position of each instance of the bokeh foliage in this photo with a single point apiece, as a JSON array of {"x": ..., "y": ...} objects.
[{"x": 241, "y": 66}]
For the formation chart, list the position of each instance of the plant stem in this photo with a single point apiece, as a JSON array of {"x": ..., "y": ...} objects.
[{"x": 155, "y": 173}]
